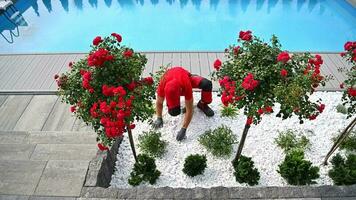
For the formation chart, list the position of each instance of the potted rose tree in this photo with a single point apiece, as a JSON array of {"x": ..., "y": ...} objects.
[
  {"x": 349, "y": 95},
  {"x": 258, "y": 75},
  {"x": 106, "y": 91}
]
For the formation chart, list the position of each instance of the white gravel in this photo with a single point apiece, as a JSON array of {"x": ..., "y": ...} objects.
[{"x": 259, "y": 145}]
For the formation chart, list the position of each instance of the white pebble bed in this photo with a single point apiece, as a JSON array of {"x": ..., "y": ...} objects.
[{"x": 259, "y": 145}]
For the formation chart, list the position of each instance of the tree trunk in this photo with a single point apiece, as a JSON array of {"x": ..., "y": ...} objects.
[
  {"x": 340, "y": 139},
  {"x": 242, "y": 142},
  {"x": 132, "y": 144}
]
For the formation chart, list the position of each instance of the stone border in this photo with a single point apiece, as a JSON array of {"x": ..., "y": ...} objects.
[
  {"x": 102, "y": 167},
  {"x": 335, "y": 192}
]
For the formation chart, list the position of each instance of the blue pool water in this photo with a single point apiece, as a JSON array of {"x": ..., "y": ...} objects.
[{"x": 178, "y": 25}]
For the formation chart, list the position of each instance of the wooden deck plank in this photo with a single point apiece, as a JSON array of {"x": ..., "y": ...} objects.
[
  {"x": 60, "y": 119},
  {"x": 47, "y": 76},
  {"x": 211, "y": 57},
  {"x": 17, "y": 74},
  {"x": 167, "y": 59},
  {"x": 344, "y": 63},
  {"x": 33, "y": 69},
  {"x": 195, "y": 64},
  {"x": 38, "y": 79},
  {"x": 149, "y": 65},
  {"x": 62, "y": 68},
  {"x": 36, "y": 113},
  {"x": 176, "y": 59},
  {"x": 4, "y": 62},
  {"x": 11, "y": 111},
  {"x": 158, "y": 62},
  {"x": 28, "y": 70},
  {"x": 16, "y": 69},
  {"x": 204, "y": 65},
  {"x": 2, "y": 99},
  {"x": 11, "y": 67},
  {"x": 338, "y": 77},
  {"x": 185, "y": 59},
  {"x": 4, "y": 66}
]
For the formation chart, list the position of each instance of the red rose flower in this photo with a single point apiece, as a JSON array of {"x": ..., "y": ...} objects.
[
  {"x": 148, "y": 80},
  {"x": 245, "y": 35},
  {"x": 131, "y": 86},
  {"x": 91, "y": 90},
  {"x": 217, "y": 64},
  {"x": 127, "y": 53},
  {"x": 72, "y": 109},
  {"x": 268, "y": 109},
  {"x": 348, "y": 46},
  {"x": 132, "y": 126},
  {"x": 283, "y": 57},
  {"x": 56, "y": 76},
  {"x": 342, "y": 85},
  {"x": 342, "y": 54},
  {"x": 97, "y": 40},
  {"x": 99, "y": 57},
  {"x": 249, "y": 83},
  {"x": 236, "y": 50},
  {"x": 351, "y": 91},
  {"x": 312, "y": 117},
  {"x": 321, "y": 108},
  {"x": 102, "y": 147},
  {"x": 70, "y": 64},
  {"x": 249, "y": 121},
  {"x": 284, "y": 72},
  {"x": 117, "y": 36},
  {"x": 260, "y": 111}
]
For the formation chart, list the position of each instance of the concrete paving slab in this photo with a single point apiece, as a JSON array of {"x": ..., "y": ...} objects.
[
  {"x": 42, "y": 137},
  {"x": 36, "y": 113},
  {"x": 20, "y": 177},
  {"x": 11, "y": 111},
  {"x": 60, "y": 119},
  {"x": 64, "y": 152},
  {"x": 62, "y": 178},
  {"x": 13, "y": 137},
  {"x": 13, "y": 197},
  {"x": 16, "y": 152},
  {"x": 51, "y": 198}
]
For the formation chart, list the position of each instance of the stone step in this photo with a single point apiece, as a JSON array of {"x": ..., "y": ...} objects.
[{"x": 47, "y": 137}]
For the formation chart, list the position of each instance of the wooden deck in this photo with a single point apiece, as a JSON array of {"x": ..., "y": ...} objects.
[{"x": 34, "y": 72}]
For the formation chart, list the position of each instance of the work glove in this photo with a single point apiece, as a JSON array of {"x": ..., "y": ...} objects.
[
  {"x": 158, "y": 123},
  {"x": 181, "y": 134}
]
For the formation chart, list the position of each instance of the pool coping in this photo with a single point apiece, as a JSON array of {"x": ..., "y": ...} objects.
[{"x": 101, "y": 168}]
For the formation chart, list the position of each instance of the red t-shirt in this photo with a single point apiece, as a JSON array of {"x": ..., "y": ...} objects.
[{"x": 182, "y": 76}]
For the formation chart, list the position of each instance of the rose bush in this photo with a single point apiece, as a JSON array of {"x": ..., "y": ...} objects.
[
  {"x": 349, "y": 95},
  {"x": 106, "y": 91},
  {"x": 258, "y": 75}
]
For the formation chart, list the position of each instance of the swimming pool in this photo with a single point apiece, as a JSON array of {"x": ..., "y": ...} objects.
[{"x": 178, "y": 25}]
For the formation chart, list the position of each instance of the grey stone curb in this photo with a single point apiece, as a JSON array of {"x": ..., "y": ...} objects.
[
  {"x": 102, "y": 167},
  {"x": 325, "y": 192}
]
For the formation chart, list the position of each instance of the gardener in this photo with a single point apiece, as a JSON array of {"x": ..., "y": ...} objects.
[{"x": 178, "y": 82}]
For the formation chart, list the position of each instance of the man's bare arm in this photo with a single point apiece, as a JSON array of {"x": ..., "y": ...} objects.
[
  {"x": 188, "y": 114},
  {"x": 159, "y": 106}
]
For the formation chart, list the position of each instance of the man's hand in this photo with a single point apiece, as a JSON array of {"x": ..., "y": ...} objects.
[
  {"x": 181, "y": 134},
  {"x": 158, "y": 123}
]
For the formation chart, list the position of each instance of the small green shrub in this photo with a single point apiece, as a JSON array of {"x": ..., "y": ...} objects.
[
  {"x": 245, "y": 172},
  {"x": 229, "y": 111},
  {"x": 218, "y": 141},
  {"x": 194, "y": 165},
  {"x": 144, "y": 170},
  {"x": 341, "y": 109},
  {"x": 297, "y": 171},
  {"x": 151, "y": 144},
  {"x": 349, "y": 144},
  {"x": 288, "y": 141},
  {"x": 343, "y": 172}
]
